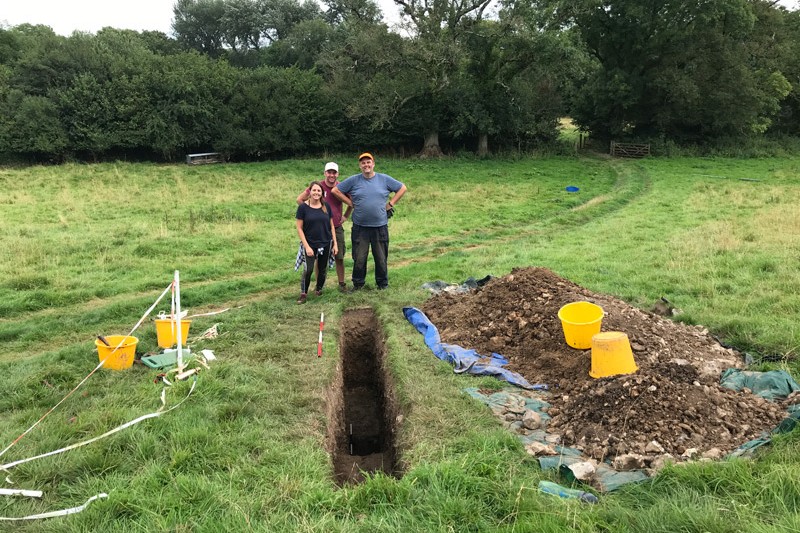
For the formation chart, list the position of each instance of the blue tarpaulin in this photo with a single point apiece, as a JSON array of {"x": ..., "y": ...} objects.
[{"x": 464, "y": 361}]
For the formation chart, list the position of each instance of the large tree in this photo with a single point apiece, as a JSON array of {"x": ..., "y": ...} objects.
[
  {"x": 673, "y": 68},
  {"x": 197, "y": 25},
  {"x": 436, "y": 54},
  {"x": 513, "y": 82},
  {"x": 354, "y": 11},
  {"x": 29, "y": 127},
  {"x": 780, "y": 41},
  {"x": 367, "y": 71},
  {"x": 240, "y": 28},
  {"x": 278, "y": 111}
]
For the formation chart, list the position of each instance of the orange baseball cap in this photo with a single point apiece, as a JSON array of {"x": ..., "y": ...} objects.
[{"x": 366, "y": 154}]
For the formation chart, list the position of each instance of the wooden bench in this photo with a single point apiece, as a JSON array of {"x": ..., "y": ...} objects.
[{"x": 204, "y": 159}]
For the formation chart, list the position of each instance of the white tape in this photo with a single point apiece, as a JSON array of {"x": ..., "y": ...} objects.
[
  {"x": 21, "y": 492},
  {"x": 212, "y": 313},
  {"x": 107, "y": 433},
  {"x": 62, "y": 512},
  {"x": 184, "y": 375},
  {"x": 84, "y": 379}
]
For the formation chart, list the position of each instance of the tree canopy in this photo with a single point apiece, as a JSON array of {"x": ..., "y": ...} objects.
[{"x": 266, "y": 78}]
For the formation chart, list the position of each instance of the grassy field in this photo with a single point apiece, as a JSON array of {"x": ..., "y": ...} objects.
[{"x": 85, "y": 250}]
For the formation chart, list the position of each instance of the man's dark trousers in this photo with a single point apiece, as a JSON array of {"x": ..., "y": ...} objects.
[{"x": 363, "y": 238}]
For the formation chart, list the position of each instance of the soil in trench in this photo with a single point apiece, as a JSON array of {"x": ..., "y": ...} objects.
[{"x": 674, "y": 399}]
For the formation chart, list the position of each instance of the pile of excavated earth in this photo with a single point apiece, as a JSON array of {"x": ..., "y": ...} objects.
[{"x": 673, "y": 407}]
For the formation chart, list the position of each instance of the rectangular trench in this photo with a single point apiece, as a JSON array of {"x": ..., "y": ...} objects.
[{"x": 362, "y": 409}]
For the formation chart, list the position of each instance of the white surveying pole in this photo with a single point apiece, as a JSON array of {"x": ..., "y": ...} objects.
[{"x": 177, "y": 318}]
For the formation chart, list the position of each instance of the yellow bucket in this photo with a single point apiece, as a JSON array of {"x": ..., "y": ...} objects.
[
  {"x": 611, "y": 355},
  {"x": 580, "y": 320},
  {"x": 120, "y": 359},
  {"x": 166, "y": 331}
]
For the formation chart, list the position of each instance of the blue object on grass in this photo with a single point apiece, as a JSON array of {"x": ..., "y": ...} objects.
[
  {"x": 465, "y": 361},
  {"x": 572, "y": 188}
]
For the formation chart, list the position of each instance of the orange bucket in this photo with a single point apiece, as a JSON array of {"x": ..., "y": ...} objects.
[
  {"x": 580, "y": 320},
  {"x": 611, "y": 355},
  {"x": 117, "y": 358},
  {"x": 166, "y": 331}
]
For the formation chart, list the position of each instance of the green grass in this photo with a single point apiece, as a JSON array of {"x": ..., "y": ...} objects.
[{"x": 86, "y": 250}]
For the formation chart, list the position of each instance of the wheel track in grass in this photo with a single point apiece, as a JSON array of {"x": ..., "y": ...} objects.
[
  {"x": 92, "y": 317},
  {"x": 632, "y": 183}
]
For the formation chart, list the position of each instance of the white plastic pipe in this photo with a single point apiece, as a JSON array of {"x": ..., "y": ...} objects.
[
  {"x": 177, "y": 318},
  {"x": 21, "y": 492}
]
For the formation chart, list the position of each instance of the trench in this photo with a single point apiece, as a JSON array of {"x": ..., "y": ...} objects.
[{"x": 362, "y": 409}]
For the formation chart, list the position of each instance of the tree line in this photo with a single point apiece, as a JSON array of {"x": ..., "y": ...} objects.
[{"x": 272, "y": 78}]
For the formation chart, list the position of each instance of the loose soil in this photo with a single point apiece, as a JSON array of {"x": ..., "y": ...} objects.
[{"x": 672, "y": 405}]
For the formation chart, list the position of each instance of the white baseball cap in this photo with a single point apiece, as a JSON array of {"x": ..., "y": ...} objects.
[{"x": 331, "y": 166}]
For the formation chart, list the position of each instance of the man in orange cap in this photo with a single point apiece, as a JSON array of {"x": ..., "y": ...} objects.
[{"x": 368, "y": 194}]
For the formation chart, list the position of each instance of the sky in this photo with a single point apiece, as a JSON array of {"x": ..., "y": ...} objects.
[{"x": 66, "y": 16}]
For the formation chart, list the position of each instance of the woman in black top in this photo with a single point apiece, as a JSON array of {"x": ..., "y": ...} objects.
[{"x": 315, "y": 228}]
